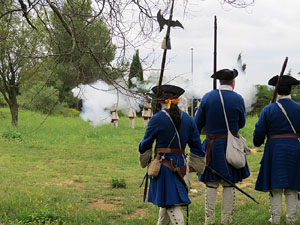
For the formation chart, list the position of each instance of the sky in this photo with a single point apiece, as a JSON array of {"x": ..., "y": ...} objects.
[{"x": 265, "y": 34}]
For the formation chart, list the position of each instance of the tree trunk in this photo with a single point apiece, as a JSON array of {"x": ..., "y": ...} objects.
[{"x": 14, "y": 109}]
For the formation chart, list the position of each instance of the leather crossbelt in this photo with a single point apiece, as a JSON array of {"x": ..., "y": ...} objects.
[
  {"x": 181, "y": 171},
  {"x": 283, "y": 136},
  {"x": 211, "y": 138},
  {"x": 170, "y": 150}
]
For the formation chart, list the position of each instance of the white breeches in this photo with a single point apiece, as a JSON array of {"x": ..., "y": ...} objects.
[
  {"x": 114, "y": 123},
  {"x": 131, "y": 123},
  {"x": 228, "y": 202},
  {"x": 145, "y": 123},
  {"x": 291, "y": 204},
  {"x": 172, "y": 214}
]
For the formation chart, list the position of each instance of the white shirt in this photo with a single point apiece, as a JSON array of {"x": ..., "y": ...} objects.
[
  {"x": 284, "y": 97},
  {"x": 226, "y": 87}
]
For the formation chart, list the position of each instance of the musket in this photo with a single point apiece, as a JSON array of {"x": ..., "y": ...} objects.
[
  {"x": 231, "y": 183},
  {"x": 145, "y": 178},
  {"x": 215, "y": 53},
  {"x": 208, "y": 154},
  {"x": 227, "y": 181},
  {"x": 223, "y": 178},
  {"x": 146, "y": 185},
  {"x": 279, "y": 79}
]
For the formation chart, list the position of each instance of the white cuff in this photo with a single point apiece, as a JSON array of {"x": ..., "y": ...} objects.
[
  {"x": 144, "y": 158},
  {"x": 196, "y": 162}
]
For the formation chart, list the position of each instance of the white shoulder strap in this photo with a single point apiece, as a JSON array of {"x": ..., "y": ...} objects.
[
  {"x": 221, "y": 97},
  {"x": 284, "y": 112}
]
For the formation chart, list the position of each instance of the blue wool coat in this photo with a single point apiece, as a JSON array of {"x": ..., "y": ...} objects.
[
  {"x": 210, "y": 115},
  {"x": 280, "y": 164},
  {"x": 167, "y": 189}
]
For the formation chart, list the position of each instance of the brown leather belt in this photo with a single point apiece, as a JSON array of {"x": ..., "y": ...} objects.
[
  {"x": 283, "y": 136},
  {"x": 212, "y": 138},
  {"x": 170, "y": 150}
]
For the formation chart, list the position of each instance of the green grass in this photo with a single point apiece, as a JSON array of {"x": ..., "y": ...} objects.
[{"x": 64, "y": 173}]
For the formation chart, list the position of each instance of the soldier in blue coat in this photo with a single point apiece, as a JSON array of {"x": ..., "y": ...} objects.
[
  {"x": 172, "y": 129},
  {"x": 280, "y": 165},
  {"x": 211, "y": 116}
]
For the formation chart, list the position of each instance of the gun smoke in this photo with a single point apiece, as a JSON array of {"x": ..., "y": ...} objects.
[{"x": 99, "y": 97}]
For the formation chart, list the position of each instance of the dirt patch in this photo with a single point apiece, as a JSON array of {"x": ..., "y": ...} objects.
[
  {"x": 250, "y": 181},
  {"x": 100, "y": 204},
  {"x": 80, "y": 175},
  {"x": 138, "y": 213},
  {"x": 244, "y": 184},
  {"x": 256, "y": 150},
  {"x": 65, "y": 183}
]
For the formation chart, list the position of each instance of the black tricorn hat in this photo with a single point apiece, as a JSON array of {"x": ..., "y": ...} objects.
[
  {"x": 168, "y": 91},
  {"x": 285, "y": 81},
  {"x": 225, "y": 74}
]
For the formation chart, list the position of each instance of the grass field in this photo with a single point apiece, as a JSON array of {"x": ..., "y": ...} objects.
[{"x": 64, "y": 172}]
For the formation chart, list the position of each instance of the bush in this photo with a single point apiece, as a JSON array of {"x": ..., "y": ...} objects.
[
  {"x": 40, "y": 218},
  {"x": 66, "y": 112},
  {"x": 41, "y": 98},
  {"x": 263, "y": 97},
  {"x": 118, "y": 183},
  {"x": 12, "y": 135}
]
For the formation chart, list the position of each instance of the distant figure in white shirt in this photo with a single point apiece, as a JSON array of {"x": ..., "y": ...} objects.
[{"x": 114, "y": 116}]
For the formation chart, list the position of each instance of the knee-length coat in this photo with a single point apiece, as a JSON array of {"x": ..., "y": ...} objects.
[
  {"x": 280, "y": 164},
  {"x": 211, "y": 116},
  {"x": 167, "y": 189}
]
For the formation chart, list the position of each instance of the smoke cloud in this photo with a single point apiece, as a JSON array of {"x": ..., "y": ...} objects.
[
  {"x": 99, "y": 97},
  {"x": 201, "y": 84}
]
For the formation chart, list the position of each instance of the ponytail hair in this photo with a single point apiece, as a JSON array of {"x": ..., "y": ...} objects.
[{"x": 175, "y": 115}]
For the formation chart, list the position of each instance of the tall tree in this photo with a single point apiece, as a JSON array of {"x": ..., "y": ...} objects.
[
  {"x": 18, "y": 43},
  {"x": 136, "y": 69},
  {"x": 111, "y": 13},
  {"x": 87, "y": 60},
  {"x": 69, "y": 16}
]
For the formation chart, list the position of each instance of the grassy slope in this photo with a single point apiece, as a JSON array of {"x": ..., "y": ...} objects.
[{"x": 64, "y": 171}]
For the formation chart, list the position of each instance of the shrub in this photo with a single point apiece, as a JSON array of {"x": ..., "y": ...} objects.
[
  {"x": 38, "y": 218},
  {"x": 12, "y": 135},
  {"x": 263, "y": 98},
  {"x": 44, "y": 99},
  {"x": 118, "y": 183},
  {"x": 39, "y": 98},
  {"x": 66, "y": 112}
]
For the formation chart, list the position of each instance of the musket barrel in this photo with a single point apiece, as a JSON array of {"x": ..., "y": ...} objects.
[
  {"x": 215, "y": 53},
  {"x": 231, "y": 183},
  {"x": 279, "y": 79}
]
